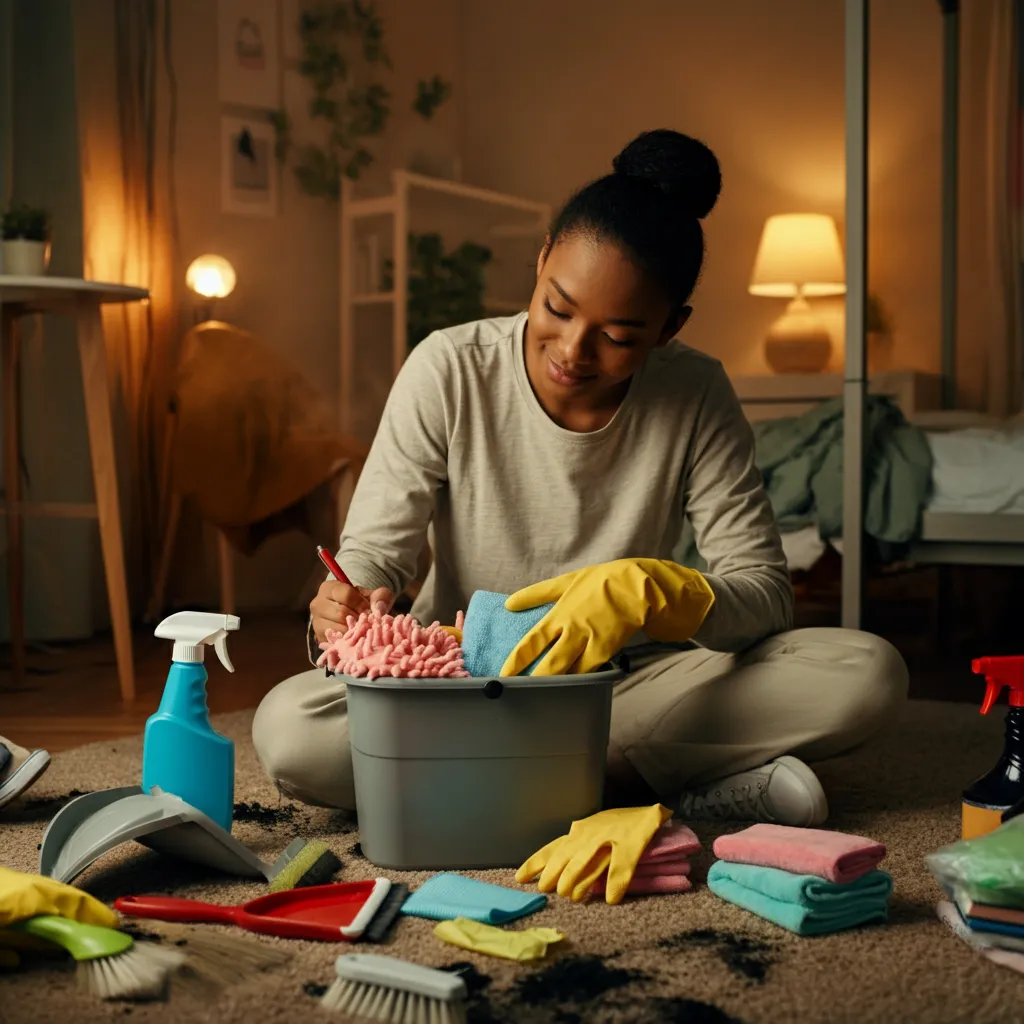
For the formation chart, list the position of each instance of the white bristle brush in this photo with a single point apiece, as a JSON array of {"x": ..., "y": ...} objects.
[{"x": 383, "y": 988}]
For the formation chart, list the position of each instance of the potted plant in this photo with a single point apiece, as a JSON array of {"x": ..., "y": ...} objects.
[
  {"x": 445, "y": 288},
  {"x": 25, "y": 240}
]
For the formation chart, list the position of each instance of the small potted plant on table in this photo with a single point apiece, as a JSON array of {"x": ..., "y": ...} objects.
[{"x": 25, "y": 245}]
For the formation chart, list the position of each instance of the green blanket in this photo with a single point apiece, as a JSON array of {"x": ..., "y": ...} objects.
[{"x": 801, "y": 458}]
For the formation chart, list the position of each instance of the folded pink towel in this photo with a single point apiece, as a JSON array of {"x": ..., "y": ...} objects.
[
  {"x": 834, "y": 856},
  {"x": 648, "y": 885},
  {"x": 664, "y": 865},
  {"x": 650, "y": 868},
  {"x": 673, "y": 840}
]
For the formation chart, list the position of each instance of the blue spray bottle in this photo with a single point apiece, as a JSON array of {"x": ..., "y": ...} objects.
[{"x": 181, "y": 753}]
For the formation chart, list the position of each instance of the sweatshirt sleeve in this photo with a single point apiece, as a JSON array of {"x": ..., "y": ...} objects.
[
  {"x": 734, "y": 527},
  {"x": 386, "y": 526}
]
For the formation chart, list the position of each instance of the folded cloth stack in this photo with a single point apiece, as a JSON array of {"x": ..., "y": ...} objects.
[
  {"x": 810, "y": 881},
  {"x": 664, "y": 866}
]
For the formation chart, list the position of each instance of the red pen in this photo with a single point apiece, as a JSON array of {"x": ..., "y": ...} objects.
[{"x": 328, "y": 559}]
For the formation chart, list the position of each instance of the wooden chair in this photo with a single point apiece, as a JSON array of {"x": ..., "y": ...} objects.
[{"x": 341, "y": 484}]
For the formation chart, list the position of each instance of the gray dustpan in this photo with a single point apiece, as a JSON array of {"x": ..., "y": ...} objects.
[{"x": 91, "y": 825}]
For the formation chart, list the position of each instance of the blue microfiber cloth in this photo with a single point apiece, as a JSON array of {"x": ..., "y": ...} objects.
[
  {"x": 491, "y": 632},
  {"x": 804, "y": 904},
  {"x": 446, "y": 897}
]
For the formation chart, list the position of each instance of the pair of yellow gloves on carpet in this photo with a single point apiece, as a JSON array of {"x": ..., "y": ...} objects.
[
  {"x": 613, "y": 840},
  {"x": 598, "y": 609}
]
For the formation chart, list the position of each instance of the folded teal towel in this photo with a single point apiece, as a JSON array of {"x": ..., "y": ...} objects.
[
  {"x": 804, "y": 904},
  {"x": 491, "y": 632},
  {"x": 446, "y": 897}
]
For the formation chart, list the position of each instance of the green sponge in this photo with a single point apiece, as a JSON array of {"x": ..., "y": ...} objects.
[{"x": 303, "y": 864}]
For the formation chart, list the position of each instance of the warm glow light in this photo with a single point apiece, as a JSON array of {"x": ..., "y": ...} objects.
[
  {"x": 210, "y": 276},
  {"x": 799, "y": 254}
]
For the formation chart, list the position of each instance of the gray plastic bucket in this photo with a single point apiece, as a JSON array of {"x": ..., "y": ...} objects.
[{"x": 475, "y": 773}]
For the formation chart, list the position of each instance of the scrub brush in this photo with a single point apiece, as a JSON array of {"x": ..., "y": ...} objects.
[
  {"x": 111, "y": 964},
  {"x": 303, "y": 864},
  {"x": 384, "y": 988}
]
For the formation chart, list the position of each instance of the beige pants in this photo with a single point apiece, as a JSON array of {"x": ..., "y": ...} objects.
[{"x": 681, "y": 719}]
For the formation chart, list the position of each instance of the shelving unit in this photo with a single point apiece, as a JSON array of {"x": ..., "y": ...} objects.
[{"x": 464, "y": 212}]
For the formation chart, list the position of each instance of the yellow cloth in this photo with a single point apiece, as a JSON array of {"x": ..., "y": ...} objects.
[
  {"x": 452, "y": 631},
  {"x": 598, "y": 609},
  {"x": 23, "y": 896},
  {"x": 611, "y": 840},
  {"x": 528, "y": 944}
]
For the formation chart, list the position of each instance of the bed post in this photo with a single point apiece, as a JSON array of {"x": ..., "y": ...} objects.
[
  {"x": 950, "y": 192},
  {"x": 854, "y": 382}
]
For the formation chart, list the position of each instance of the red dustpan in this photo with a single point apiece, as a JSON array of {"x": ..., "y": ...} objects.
[{"x": 330, "y": 913}]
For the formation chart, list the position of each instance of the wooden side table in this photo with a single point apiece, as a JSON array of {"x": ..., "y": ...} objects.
[{"x": 80, "y": 299}]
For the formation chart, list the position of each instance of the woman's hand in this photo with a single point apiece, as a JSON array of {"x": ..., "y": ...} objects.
[{"x": 335, "y": 602}]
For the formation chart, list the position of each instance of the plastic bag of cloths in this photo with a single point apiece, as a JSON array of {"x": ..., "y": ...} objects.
[{"x": 988, "y": 869}]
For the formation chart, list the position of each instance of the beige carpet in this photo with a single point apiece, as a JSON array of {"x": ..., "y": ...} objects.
[{"x": 654, "y": 960}]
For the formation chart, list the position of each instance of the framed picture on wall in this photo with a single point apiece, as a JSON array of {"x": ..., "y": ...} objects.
[
  {"x": 248, "y": 53},
  {"x": 249, "y": 171}
]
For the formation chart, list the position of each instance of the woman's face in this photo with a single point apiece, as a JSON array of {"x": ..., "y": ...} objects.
[{"x": 594, "y": 318}]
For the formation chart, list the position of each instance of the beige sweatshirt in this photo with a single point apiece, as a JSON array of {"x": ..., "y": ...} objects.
[{"x": 512, "y": 498}]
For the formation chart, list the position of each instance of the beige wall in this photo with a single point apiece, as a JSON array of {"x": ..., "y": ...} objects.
[
  {"x": 556, "y": 87},
  {"x": 546, "y": 92},
  {"x": 287, "y": 266},
  {"x": 287, "y": 269}
]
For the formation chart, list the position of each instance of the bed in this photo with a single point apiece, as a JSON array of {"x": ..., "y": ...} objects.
[
  {"x": 968, "y": 520},
  {"x": 975, "y": 513}
]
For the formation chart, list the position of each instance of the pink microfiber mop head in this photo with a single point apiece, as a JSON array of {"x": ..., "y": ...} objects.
[{"x": 377, "y": 645}]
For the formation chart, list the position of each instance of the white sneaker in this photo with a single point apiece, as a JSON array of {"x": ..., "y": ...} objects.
[
  {"x": 784, "y": 792},
  {"x": 20, "y": 769}
]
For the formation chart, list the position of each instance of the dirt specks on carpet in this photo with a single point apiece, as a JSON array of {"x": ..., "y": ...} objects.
[
  {"x": 748, "y": 957},
  {"x": 575, "y": 979},
  {"x": 47, "y": 805},
  {"x": 268, "y": 817},
  {"x": 684, "y": 1011}
]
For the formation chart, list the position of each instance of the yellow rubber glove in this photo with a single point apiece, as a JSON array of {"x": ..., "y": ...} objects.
[
  {"x": 528, "y": 944},
  {"x": 611, "y": 840},
  {"x": 23, "y": 896},
  {"x": 598, "y": 609}
]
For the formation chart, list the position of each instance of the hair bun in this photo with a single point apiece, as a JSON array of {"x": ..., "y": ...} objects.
[{"x": 682, "y": 167}]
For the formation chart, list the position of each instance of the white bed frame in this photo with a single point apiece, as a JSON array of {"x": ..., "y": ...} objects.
[{"x": 946, "y": 538}]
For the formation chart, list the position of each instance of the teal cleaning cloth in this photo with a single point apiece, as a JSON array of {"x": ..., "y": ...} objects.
[
  {"x": 446, "y": 897},
  {"x": 804, "y": 904},
  {"x": 490, "y": 633}
]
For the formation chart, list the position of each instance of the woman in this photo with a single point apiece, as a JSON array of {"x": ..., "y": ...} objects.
[{"x": 579, "y": 434}]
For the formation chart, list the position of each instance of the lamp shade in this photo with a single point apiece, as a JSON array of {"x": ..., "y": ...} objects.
[
  {"x": 799, "y": 254},
  {"x": 210, "y": 276}
]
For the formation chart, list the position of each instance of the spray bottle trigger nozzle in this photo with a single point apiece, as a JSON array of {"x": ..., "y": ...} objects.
[
  {"x": 220, "y": 645},
  {"x": 993, "y": 687}
]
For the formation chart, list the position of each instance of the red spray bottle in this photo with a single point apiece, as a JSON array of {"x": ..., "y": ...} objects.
[{"x": 987, "y": 799}]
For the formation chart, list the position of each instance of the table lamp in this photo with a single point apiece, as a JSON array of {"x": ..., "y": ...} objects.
[
  {"x": 799, "y": 257},
  {"x": 210, "y": 277}
]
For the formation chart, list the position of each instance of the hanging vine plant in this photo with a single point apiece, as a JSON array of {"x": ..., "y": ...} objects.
[{"x": 342, "y": 55}]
